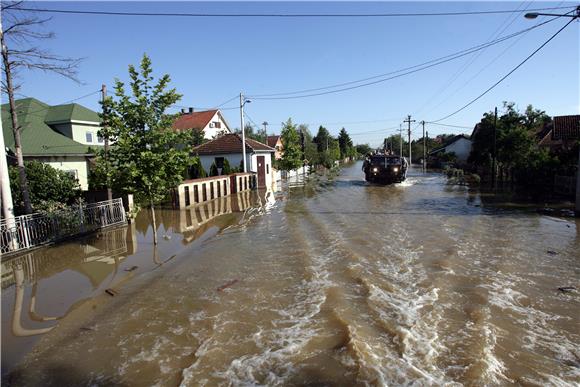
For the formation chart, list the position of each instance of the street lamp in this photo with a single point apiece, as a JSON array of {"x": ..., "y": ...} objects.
[
  {"x": 533, "y": 15},
  {"x": 243, "y": 101},
  {"x": 574, "y": 15}
]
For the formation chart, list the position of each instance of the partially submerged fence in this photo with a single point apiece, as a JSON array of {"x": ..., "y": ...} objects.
[
  {"x": 29, "y": 231},
  {"x": 565, "y": 185},
  {"x": 198, "y": 191}
]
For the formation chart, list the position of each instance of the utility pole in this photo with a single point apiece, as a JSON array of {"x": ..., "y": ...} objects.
[
  {"x": 424, "y": 148},
  {"x": 7, "y": 204},
  {"x": 493, "y": 167},
  {"x": 578, "y": 187},
  {"x": 243, "y": 132},
  {"x": 265, "y": 123},
  {"x": 106, "y": 138},
  {"x": 409, "y": 120},
  {"x": 400, "y": 140}
]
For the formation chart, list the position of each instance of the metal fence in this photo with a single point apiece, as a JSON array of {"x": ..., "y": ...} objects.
[
  {"x": 28, "y": 231},
  {"x": 565, "y": 185}
]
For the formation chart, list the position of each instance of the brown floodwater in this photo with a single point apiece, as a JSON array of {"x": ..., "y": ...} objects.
[{"x": 336, "y": 282}]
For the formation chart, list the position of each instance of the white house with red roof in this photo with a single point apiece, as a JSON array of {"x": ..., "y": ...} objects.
[
  {"x": 210, "y": 122},
  {"x": 229, "y": 147}
]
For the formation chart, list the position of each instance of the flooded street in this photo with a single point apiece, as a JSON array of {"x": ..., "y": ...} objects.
[{"x": 333, "y": 283}]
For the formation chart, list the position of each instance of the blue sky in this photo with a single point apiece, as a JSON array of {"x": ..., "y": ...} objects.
[{"x": 211, "y": 60}]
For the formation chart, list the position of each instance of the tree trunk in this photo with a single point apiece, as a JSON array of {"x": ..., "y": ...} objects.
[
  {"x": 15, "y": 128},
  {"x": 153, "y": 223}
]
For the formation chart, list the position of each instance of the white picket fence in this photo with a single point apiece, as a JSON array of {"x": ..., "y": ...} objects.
[{"x": 33, "y": 230}]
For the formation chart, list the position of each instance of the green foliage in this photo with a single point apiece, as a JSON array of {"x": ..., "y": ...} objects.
[
  {"x": 148, "y": 158},
  {"x": 345, "y": 144},
  {"x": 292, "y": 157},
  {"x": 213, "y": 170},
  {"x": 197, "y": 137},
  {"x": 258, "y": 135},
  {"x": 50, "y": 188},
  {"x": 363, "y": 149},
  {"x": 447, "y": 157},
  {"x": 227, "y": 169},
  {"x": 517, "y": 152},
  {"x": 196, "y": 170}
]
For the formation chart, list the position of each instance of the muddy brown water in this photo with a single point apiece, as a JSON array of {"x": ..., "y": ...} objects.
[{"x": 333, "y": 283}]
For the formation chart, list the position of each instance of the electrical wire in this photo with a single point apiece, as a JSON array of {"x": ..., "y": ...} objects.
[
  {"x": 508, "y": 74},
  {"x": 279, "y": 15},
  {"x": 63, "y": 103},
  {"x": 403, "y": 72}
]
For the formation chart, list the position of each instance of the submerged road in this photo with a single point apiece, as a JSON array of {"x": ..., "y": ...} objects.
[{"x": 340, "y": 283}]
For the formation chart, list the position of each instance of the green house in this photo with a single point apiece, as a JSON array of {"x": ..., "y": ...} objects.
[{"x": 63, "y": 136}]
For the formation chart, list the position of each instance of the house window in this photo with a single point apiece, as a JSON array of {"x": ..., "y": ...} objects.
[
  {"x": 211, "y": 124},
  {"x": 267, "y": 169},
  {"x": 89, "y": 136},
  {"x": 217, "y": 124},
  {"x": 73, "y": 173},
  {"x": 100, "y": 139}
]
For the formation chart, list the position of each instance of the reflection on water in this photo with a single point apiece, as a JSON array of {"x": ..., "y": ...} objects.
[
  {"x": 342, "y": 283},
  {"x": 41, "y": 287}
]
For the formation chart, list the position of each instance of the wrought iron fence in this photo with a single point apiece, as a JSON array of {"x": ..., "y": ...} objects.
[{"x": 28, "y": 231}]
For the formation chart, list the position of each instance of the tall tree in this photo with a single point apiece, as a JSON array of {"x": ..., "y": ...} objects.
[
  {"x": 292, "y": 156},
  {"x": 18, "y": 30},
  {"x": 345, "y": 144},
  {"x": 148, "y": 157}
]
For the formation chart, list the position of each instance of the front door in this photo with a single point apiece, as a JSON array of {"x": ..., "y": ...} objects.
[{"x": 261, "y": 171}]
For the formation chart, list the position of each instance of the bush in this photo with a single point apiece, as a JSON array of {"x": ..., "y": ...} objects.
[{"x": 49, "y": 188}]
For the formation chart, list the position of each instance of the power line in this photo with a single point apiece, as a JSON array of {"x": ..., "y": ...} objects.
[
  {"x": 404, "y": 71},
  {"x": 279, "y": 15},
  {"x": 508, "y": 74},
  {"x": 64, "y": 103},
  {"x": 449, "y": 125},
  {"x": 511, "y": 19}
]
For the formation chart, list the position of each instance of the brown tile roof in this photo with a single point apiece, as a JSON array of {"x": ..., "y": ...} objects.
[
  {"x": 195, "y": 120},
  {"x": 230, "y": 143},
  {"x": 272, "y": 140},
  {"x": 566, "y": 127}
]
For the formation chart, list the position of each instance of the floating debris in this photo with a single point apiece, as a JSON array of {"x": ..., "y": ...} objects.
[
  {"x": 552, "y": 252},
  {"x": 132, "y": 268},
  {"x": 567, "y": 289},
  {"x": 227, "y": 285},
  {"x": 112, "y": 292}
]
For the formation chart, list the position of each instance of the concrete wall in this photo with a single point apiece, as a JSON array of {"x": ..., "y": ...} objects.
[
  {"x": 214, "y": 187},
  {"x": 461, "y": 148},
  {"x": 76, "y": 164}
]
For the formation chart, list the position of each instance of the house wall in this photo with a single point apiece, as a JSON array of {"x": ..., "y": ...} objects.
[
  {"x": 279, "y": 149},
  {"x": 253, "y": 166},
  {"x": 235, "y": 159},
  {"x": 210, "y": 132},
  {"x": 461, "y": 148},
  {"x": 78, "y": 131},
  {"x": 76, "y": 164}
]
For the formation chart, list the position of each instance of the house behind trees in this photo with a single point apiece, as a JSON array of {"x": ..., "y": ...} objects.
[
  {"x": 63, "y": 136},
  {"x": 210, "y": 122}
]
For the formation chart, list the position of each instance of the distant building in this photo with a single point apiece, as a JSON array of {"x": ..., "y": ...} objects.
[
  {"x": 229, "y": 146},
  {"x": 63, "y": 136},
  {"x": 560, "y": 134},
  {"x": 210, "y": 122},
  {"x": 460, "y": 145},
  {"x": 276, "y": 143}
]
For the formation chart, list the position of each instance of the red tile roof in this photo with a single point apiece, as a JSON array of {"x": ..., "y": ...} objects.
[
  {"x": 272, "y": 140},
  {"x": 566, "y": 127},
  {"x": 195, "y": 120},
  {"x": 230, "y": 143}
]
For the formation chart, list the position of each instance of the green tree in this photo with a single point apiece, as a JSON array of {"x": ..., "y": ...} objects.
[
  {"x": 49, "y": 187},
  {"x": 292, "y": 156},
  {"x": 148, "y": 158},
  {"x": 363, "y": 149},
  {"x": 345, "y": 144},
  {"x": 310, "y": 148}
]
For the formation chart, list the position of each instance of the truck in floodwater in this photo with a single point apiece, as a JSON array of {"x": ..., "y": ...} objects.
[{"x": 385, "y": 169}]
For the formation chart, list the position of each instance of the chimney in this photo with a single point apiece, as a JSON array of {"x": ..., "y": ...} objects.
[
  {"x": 182, "y": 111},
  {"x": 190, "y": 110}
]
